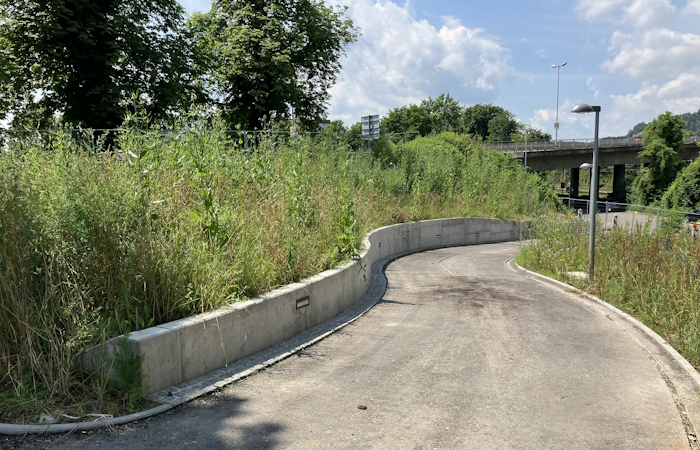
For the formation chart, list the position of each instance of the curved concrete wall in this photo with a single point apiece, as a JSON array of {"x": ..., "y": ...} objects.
[{"x": 184, "y": 349}]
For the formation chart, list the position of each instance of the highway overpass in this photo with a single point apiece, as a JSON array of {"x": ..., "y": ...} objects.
[{"x": 571, "y": 153}]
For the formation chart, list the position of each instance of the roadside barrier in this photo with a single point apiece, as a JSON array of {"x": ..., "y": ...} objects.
[{"x": 179, "y": 351}]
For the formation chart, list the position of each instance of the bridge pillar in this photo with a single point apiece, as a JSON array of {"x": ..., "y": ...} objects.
[
  {"x": 619, "y": 190},
  {"x": 573, "y": 185}
]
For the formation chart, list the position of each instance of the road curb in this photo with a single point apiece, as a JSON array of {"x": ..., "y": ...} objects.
[{"x": 691, "y": 425}]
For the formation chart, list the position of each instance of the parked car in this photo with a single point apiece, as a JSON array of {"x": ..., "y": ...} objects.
[{"x": 693, "y": 216}]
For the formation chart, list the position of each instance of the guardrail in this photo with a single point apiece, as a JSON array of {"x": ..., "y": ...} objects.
[{"x": 570, "y": 144}]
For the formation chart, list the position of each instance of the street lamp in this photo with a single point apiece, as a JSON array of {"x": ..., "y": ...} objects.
[
  {"x": 556, "y": 124},
  {"x": 584, "y": 108}
]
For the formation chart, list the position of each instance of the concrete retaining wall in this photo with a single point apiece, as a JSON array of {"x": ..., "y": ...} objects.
[{"x": 184, "y": 349}]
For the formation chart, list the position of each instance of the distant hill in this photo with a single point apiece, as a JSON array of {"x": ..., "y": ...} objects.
[{"x": 692, "y": 124}]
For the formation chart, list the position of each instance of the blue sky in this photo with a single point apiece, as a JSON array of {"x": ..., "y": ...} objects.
[{"x": 634, "y": 58}]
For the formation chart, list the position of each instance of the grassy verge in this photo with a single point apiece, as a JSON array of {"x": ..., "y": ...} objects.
[
  {"x": 652, "y": 274},
  {"x": 94, "y": 244}
]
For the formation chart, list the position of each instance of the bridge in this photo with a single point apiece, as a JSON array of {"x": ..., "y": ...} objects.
[{"x": 571, "y": 153}]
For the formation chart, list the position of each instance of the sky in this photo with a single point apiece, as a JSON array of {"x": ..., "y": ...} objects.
[{"x": 634, "y": 58}]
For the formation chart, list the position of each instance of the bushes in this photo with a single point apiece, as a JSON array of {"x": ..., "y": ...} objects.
[
  {"x": 93, "y": 245},
  {"x": 684, "y": 193}
]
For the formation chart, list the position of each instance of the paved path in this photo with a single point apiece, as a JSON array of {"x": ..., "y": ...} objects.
[{"x": 462, "y": 352}]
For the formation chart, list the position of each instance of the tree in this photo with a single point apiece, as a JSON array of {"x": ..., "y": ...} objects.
[
  {"x": 663, "y": 138},
  {"x": 502, "y": 127},
  {"x": 84, "y": 59},
  {"x": 684, "y": 192},
  {"x": 476, "y": 119},
  {"x": 445, "y": 113},
  {"x": 408, "y": 118},
  {"x": 267, "y": 56},
  {"x": 533, "y": 134},
  {"x": 636, "y": 129}
]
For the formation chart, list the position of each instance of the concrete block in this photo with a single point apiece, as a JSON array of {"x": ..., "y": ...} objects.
[
  {"x": 430, "y": 234},
  {"x": 453, "y": 231},
  {"x": 331, "y": 294},
  {"x": 410, "y": 236},
  {"x": 160, "y": 348},
  {"x": 477, "y": 231},
  {"x": 504, "y": 230}
]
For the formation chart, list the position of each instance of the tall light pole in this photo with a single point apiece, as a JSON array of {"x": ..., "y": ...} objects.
[
  {"x": 582, "y": 109},
  {"x": 556, "y": 124}
]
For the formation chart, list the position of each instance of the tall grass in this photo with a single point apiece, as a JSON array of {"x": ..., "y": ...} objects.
[
  {"x": 97, "y": 243},
  {"x": 653, "y": 274}
]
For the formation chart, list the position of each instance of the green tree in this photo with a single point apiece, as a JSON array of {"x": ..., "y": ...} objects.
[
  {"x": 684, "y": 192},
  {"x": 476, "y": 119},
  {"x": 533, "y": 134},
  {"x": 663, "y": 138},
  {"x": 502, "y": 127},
  {"x": 408, "y": 118},
  {"x": 445, "y": 113},
  {"x": 84, "y": 59},
  {"x": 266, "y": 56}
]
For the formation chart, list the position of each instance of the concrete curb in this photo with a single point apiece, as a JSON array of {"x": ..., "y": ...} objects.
[{"x": 691, "y": 425}]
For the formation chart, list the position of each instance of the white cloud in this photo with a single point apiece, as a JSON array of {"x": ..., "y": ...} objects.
[
  {"x": 540, "y": 53},
  {"x": 640, "y": 13},
  {"x": 656, "y": 52},
  {"x": 570, "y": 125},
  {"x": 400, "y": 60},
  {"x": 693, "y": 7},
  {"x": 680, "y": 95},
  {"x": 593, "y": 87}
]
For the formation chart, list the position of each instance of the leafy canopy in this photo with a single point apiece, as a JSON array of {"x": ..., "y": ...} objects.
[
  {"x": 84, "y": 59},
  {"x": 663, "y": 139},
  {"x": 266, "y": 56},
  {"x": 444, "y": 113}
]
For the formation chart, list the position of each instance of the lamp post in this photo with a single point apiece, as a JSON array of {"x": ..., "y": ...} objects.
[
  {"x": 556, "y": 124},
  {"x": 584, "y": 108}
]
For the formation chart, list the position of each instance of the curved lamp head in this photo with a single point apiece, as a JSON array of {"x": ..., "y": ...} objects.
[
  {"x": 563, "y": 64},
  {"x": 554, "y": 66},
  {"x": 584, "y": 108},
  {"x": 586, "y": 166}
]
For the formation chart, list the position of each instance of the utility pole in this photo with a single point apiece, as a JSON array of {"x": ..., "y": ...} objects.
[{"x": 556, "y": 124}]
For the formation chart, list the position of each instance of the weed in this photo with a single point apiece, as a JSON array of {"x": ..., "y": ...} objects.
[{"x": 94, "y": 245}]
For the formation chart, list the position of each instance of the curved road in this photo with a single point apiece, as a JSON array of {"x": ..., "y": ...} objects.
[{"x": 462, "y": 352}]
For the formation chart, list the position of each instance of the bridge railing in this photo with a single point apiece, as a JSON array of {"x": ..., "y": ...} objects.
[{"x": 569, "y": 144}]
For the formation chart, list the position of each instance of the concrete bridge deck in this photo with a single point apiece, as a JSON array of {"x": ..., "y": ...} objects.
[{"x": 569, "y": 154}]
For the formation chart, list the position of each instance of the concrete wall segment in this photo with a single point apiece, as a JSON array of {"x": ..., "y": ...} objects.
[{"x": 184, "y": 349}]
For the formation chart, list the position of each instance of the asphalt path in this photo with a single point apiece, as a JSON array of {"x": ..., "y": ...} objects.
[{"x": 462, "y": 352}]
